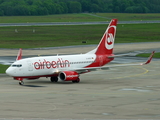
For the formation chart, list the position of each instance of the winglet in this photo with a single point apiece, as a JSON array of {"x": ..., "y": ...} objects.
[
  {"x": 19, "y": 56},
  {"x": 149, "y": 59}
]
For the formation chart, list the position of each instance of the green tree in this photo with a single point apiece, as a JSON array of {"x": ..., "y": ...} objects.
[
  {"x": 95, "y": 8},
  {"x": 21, "y": 10},
  {"x": 129, "y": 10},
  {"x": 110, "y": 8},
  {"x": 33, "y": 10},
  {"x": 59, "y": 9},
  {"x": 64, "y": 6},
  {"x": 1, "y": 13},
  {"x": 75, "y": 7},
  {"x": 45, "y": 7},
  {"x": 29, "y": 2},
  {"x": 124, "y": 4},
  {"x": 86, "y": 6},
  {"x": 50, "y": 6}
]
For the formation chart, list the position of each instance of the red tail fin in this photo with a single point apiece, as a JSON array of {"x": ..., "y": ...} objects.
[
  {"x": 107, "y": 42},
  {"x": 19, "y": 56}
]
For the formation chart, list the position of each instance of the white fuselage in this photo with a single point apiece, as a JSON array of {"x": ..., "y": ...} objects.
[{"x": 48, "y": 65}]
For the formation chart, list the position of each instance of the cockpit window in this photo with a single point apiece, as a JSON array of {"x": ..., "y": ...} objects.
[{"x": 17, "y": 65}]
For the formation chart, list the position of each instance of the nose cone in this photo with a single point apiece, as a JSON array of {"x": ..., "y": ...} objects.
[{"x": 9, "y": 72}]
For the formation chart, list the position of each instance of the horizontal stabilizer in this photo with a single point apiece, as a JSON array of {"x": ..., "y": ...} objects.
[{"x": 113, "y": 56}]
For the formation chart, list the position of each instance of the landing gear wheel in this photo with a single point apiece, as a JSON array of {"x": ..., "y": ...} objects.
[
  {"x": 54, "y": 79},
  {"x": 76, "y": 81},
  {"x": 21, "y": 83}
]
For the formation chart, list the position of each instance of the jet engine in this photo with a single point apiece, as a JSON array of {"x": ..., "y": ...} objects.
[{"x": 68, "y": 75}]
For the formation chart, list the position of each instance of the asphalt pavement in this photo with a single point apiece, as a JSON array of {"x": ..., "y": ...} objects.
[{"x": 75, "y": 23}]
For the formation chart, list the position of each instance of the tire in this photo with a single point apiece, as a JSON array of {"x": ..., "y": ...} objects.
[
  {"x": 54, "y": 79},
  {"x": 21, "y": 83},
  {"x": 76, "y": 81}
]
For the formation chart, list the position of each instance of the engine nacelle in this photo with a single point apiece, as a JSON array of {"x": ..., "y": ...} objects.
[{"x": 68, "y": 75}]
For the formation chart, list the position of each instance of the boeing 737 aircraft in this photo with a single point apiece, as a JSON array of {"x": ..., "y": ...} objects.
[{"x": 68, "y": 67}]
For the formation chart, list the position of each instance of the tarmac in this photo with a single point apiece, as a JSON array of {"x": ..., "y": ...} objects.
[
  {"x": 118, "y": 48},
  {"x": 130, "y": 92},
  {"x": 77, "y": 23}
]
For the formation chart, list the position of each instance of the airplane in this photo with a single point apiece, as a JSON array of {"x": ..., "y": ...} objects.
[{"x": 69, "y": 67}]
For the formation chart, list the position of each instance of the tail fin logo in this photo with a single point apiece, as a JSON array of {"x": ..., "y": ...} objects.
[{"x": 110, "y": 37}]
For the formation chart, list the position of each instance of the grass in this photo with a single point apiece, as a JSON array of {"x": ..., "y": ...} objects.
[
  {"x": 50, "y": 18},
  {"x": 138, "y": 33},
  {"x": 130, "y": 16},
  {"x": 50, "y": 36},
  {"x": 3, "y": 68},
  {"x": 81, "y": 17},
  {"x": 156, "y": 55}
]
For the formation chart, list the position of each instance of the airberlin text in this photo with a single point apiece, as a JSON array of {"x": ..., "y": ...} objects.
[{"x": 60, "y": 63}]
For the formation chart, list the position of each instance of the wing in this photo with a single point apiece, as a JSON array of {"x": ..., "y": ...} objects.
[{"x": 84, "y": 70}]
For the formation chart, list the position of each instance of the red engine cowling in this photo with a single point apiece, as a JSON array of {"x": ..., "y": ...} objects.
[{"x": 68, "y": 75}]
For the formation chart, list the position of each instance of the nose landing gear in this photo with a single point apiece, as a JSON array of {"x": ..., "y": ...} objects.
[{"x": 21, "y": 82}]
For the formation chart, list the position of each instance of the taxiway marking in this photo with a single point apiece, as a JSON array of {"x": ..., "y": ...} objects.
[{"x": 135, "y": 75}]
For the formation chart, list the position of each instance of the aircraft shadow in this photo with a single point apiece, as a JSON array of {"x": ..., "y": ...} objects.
[{"x": 33, "y": 86}]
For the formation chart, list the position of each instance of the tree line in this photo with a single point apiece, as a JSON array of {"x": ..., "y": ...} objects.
[{"x": 49, "y": 7}]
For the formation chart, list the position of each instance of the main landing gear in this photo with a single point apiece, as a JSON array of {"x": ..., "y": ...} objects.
[
  {"x": 54, "y": 79},
  {"x": 76, "y": 81}
]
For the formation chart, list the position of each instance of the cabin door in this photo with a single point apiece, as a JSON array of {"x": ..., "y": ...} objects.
[{"x": 30, "y": 67}]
